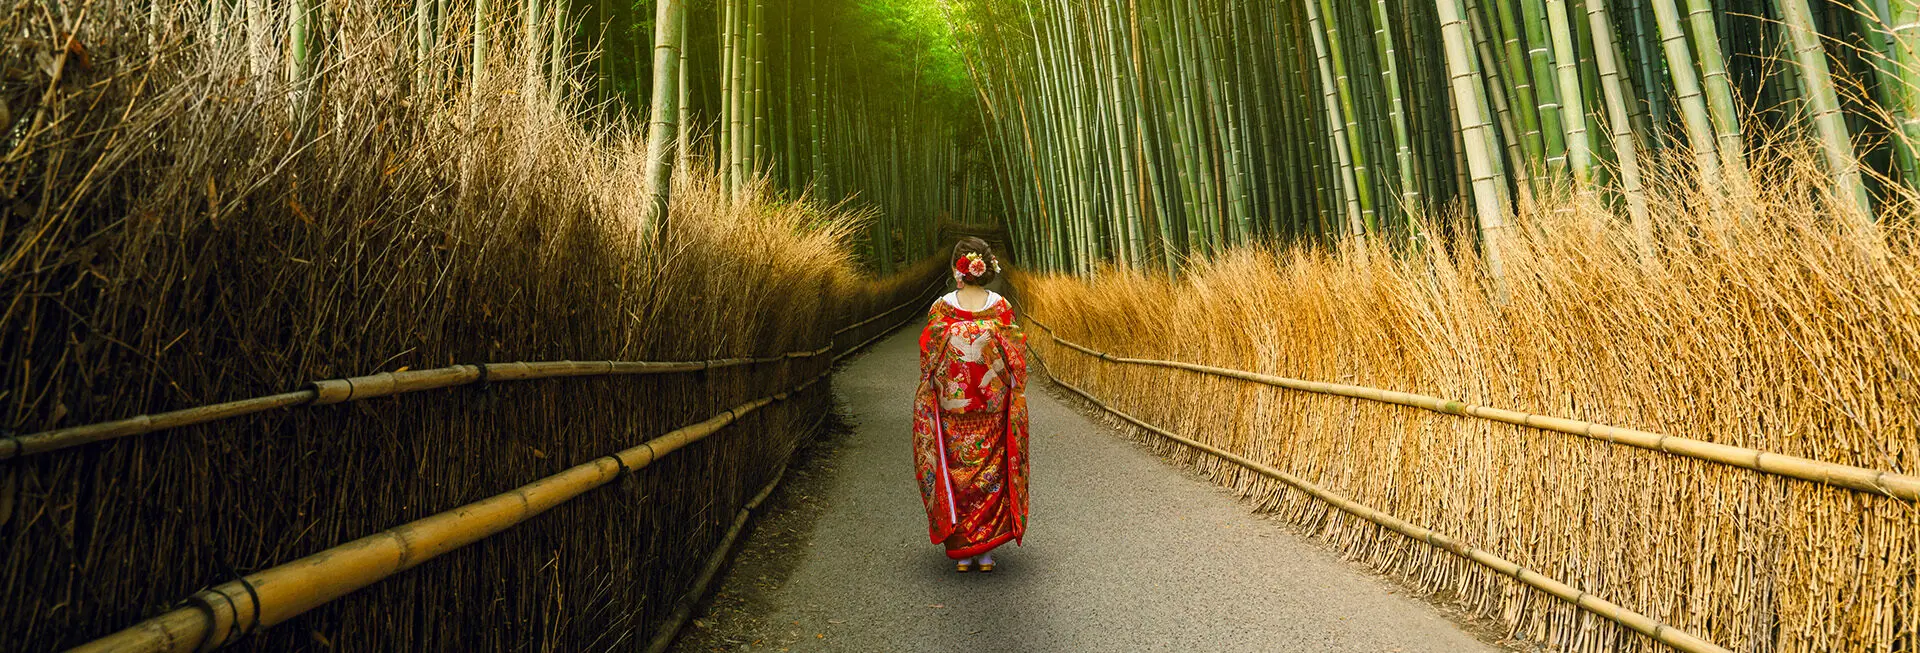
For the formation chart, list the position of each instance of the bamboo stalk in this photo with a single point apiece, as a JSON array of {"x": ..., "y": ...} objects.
[
  {"x": 333, "y": 391},
  {"x": 1872, "y": 481},
  {"x": 663, "y": 136},
  {"x": 1640, "y": 623}
]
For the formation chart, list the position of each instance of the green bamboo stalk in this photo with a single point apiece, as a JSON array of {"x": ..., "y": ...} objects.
[
  {"x": 757, "y": 98},
  {"x": 1831, "y": 126},
  {"x": 723, "y": 155},
  {"x": 1522, "y": 101},
  {"x": 738, "y": 117},
  {"x": 1541, "y": 61},
  {"x": 558, "y": 71},
  {"x": 1627, "y": 151},
  {"x": 1571, "y": 94},
  {"x": 533, "y": 82},
  {"x": 1687, "y": 92},
  {"x": 1403, "y": 146},
  {"x": 1719, "y": 89},
  {"x": 1475, "y": 123},
  {"x": 300, "y": 53},
  {"x": 662, "y": 135},
  {"x": 1363, "y": 183},
  {"x": 1508, "y": 132},
  {"x": 1904, "y": 45},
  {"x": 1337, "y": 123}
]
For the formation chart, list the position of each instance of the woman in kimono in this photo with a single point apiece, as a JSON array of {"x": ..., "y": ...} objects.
[{"x": 970, "y": 416}]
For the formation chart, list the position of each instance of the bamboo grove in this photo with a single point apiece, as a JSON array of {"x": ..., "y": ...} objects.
[
  {"x": 1143, "y": 132},
  {"x": 836, "y": 100},
  {"x": 841, "y": 101}
]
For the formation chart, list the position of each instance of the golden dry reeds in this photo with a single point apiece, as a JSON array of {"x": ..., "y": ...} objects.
[
  {"x": 172, "y": 236},
  {"x": 1763, "y": 321}
]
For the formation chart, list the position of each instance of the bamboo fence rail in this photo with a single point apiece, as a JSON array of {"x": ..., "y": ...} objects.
[
  {"x": 334, "y": 391},
  {"x": 217, "y": 616},
  {"x": 1640, "y": 623},
  {"x": 1891, "y": 484}
]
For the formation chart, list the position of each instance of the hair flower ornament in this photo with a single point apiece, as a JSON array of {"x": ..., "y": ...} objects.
[{"x": 970, "y": 265}]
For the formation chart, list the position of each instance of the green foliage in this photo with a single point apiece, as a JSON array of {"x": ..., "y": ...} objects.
[{"x": 911, "y": 43}]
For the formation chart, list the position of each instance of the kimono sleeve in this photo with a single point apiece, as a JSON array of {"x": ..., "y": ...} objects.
[{"x": 927, "y": 334}]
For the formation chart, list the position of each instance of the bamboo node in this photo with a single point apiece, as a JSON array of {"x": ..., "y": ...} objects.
[
  {"x": 332, "y": 391},
  {"x": 199, "y": 602}
]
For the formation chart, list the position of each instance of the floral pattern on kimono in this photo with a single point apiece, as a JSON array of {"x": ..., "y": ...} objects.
[{"x": 970, "y": 425}]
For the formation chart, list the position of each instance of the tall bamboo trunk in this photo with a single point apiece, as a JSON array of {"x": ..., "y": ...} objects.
[
  {"x": 300, "y": 15},
  {"x": 1571, "y": 93},
  {"x": 1830, "y": 125},
  {"x": 1606, "y": 49},
  {"x": 558, "y": 72},
  {"x": 534, "y": 83},
  {"x": 1338, "y": 134},
  {"x": 1905, "y": 48},
  {"x": 477, "y": 73},
  {"x": 1686, "y": 86},
  {"x": 1719, "y": 89},
  {"x": 1475, "y": 123},
  {"x": 670, "y": 15}
]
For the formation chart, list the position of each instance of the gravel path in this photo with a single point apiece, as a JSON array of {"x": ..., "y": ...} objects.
[{"x": 1124, "y": 553}]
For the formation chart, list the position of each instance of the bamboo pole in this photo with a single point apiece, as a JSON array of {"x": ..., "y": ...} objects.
[
  {"x": 333, "y": 391},
  {"x": 1640, "y": 623},
  {"x": 1872, "y": 481}
]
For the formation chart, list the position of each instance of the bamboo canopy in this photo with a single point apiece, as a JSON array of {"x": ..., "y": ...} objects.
[{"x": 1873, "y": 481}]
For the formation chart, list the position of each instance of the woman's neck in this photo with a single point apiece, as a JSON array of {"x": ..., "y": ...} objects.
[{"x": 973, "y": 296}]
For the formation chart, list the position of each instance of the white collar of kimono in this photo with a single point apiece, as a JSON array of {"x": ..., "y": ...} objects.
[{"x": 953, "y": 299}]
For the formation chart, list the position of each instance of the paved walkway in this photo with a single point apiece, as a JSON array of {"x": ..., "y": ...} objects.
[{"x": 1124, "y": 553}]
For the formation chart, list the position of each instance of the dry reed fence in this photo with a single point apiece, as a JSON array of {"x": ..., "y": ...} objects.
[
  {"x": 172, "y": 238},
  {"x": 217, "y": 616},
  {"x": 1795, "y": 334}
]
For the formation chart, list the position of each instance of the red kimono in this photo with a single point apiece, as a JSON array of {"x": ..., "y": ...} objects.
[{"x": 970, "y": 426}]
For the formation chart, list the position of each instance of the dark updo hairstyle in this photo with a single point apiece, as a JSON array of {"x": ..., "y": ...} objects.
[{"x": 972, "y": 245}]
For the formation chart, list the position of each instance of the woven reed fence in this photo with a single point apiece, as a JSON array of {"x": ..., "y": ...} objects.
[
  {"x": 1747, "y": 543},
  {"x": 191, "y": 241},
  {"x": 597, "y": 572},
  {"x": 217, "y": 616},
  {"x": 1628, "y": 618}
]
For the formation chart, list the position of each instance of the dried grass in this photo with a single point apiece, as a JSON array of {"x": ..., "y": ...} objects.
[
  {"x": 1764, "y": 322},
  {"x": 173, "y": 237}
]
